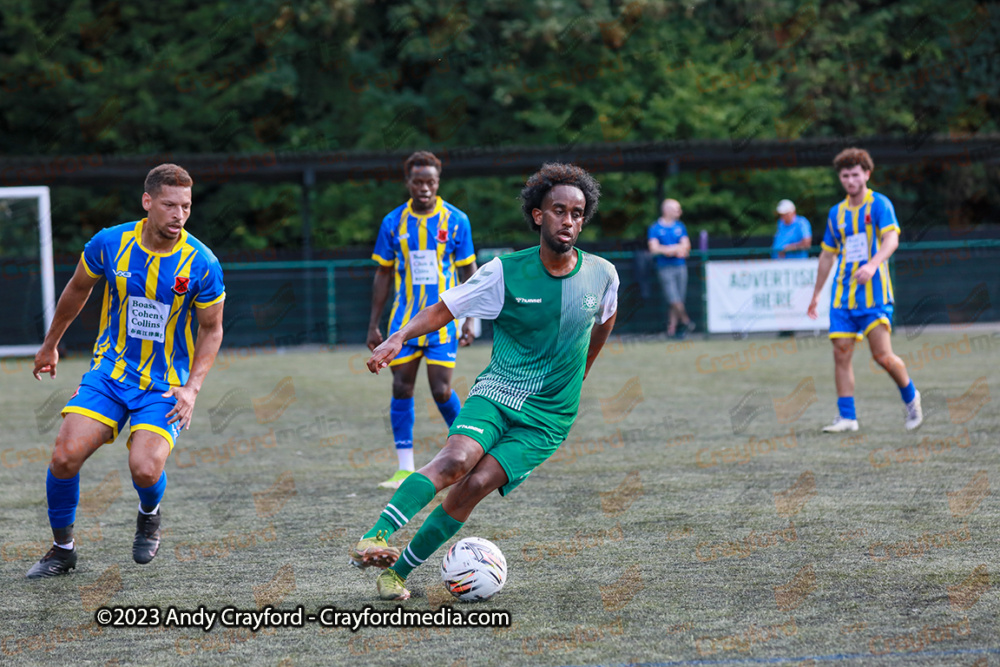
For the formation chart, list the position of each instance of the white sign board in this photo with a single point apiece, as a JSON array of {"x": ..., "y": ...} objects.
[{"x": 764, "y": 295}]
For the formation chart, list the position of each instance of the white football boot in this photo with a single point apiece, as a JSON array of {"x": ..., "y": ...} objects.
[
  {"x": 840, "y": 425},
  {"x": 914, "y": 413}
]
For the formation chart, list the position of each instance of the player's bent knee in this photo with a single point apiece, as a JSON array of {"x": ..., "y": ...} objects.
[
  {"x": 477, "y": 485},
  {"x": 68, "y": 455},
  {"x": 886, "y": 360},
  {"x": 64, "y": 464},
  {"x": 145, "y": 473},
  {"x": 453, "y": 466},
  {"x": 402, "y": 391},
  {"x": 145, "y": 469}
]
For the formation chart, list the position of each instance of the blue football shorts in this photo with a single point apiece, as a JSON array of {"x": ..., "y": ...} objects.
[
  {"x": 113, "y": 402},
  {"x": 441, "y": 354},
  {"x": 857, "y": 322}
]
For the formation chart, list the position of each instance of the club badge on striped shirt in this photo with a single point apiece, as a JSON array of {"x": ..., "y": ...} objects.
[{"x": 180, "y": 285}]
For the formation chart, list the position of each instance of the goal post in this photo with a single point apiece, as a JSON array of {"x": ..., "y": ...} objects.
[{"x": 19, "y": 330}]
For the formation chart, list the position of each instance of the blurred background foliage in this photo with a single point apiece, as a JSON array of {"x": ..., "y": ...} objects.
[{"x": 80, "y": 77}]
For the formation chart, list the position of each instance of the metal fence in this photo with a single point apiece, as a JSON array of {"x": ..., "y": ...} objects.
[{"x": 288, "y": 303}]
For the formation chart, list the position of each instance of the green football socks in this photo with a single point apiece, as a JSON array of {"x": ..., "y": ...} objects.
[
  {"x": 413, "y": 495},
  {"x": 437, "y": 529}
]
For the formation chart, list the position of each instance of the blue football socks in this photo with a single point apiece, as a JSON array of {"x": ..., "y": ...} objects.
[
  {"x": 63, "y": 496},
  {"x": 150, "y": 497},
  {"x": 449, "y": 409},
  {"x": 846, "y": 406},
  {"x": 402, "y": 416}
]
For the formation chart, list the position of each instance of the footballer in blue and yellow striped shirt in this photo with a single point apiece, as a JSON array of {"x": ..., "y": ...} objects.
[
  {"x": 424, "y": 247},
  {"x": 861, "y": 234},
  {"x": 147, "y": 367},
  {"x": 149, "y": 304}
]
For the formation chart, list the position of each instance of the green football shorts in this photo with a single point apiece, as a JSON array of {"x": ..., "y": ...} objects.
[{"x": 518, "y": 440}]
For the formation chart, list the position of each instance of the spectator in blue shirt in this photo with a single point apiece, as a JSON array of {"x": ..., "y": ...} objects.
[
  {"x": 669, "y": 243},
  {"x": 794, "y": 235}
]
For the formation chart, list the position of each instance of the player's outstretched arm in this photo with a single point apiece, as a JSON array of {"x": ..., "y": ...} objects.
[
  {"x": 205, "y": 350},
  {"x": 598, "y": 337},
  {"x": 822, "y": 272},
  {"x": 71, "y": 302},
  {"x": 427, "y": 320}
]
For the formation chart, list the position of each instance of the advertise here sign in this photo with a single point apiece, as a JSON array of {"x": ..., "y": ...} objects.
[{"x": 764, "y": 295}]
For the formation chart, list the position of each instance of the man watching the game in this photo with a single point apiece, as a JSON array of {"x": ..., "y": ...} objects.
[
  {"x": 668, "y": 241},
  {"x": 427, "y": 245},
  {"x": 553, "y": 307},
  {"x": 861, "y": 234},
  {"x": 159, "y": 278},
  {"x": 793, "y": 237}
]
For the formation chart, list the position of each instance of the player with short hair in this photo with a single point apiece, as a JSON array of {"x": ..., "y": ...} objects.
[
  {"x": 861, "y": 234},
  {"x": 424, "y": 247},
  {"x": 159, "y": 278},
  {"x": 553, "y": 307}
]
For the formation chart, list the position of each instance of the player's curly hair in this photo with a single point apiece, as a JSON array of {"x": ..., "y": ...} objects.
[
  {"x": 421, "y": 159},
  {"x": 552, "y": 174},
  {"x": 166, "y": 174},
  {"x": 851, "y": 157}
]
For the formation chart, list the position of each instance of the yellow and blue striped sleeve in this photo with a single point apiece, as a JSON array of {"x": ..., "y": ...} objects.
[
  {"x": 93, "y": 255},
  {"x": 465, "y": 252},
  {"x": 884, "y": 216},
  {"x": 212, "y": 289},
  {"x": 384, "y": 253},
  {"x": 830, "y": 242}
]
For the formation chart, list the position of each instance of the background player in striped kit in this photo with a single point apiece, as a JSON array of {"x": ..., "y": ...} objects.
[
  {"x": 147, "y": 368},
  {"x": 861, "y": 234},
  {"x": 426, "y": 244},
  {"x": 553, "y": 307}
]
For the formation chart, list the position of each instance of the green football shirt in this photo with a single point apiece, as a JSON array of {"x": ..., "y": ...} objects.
[{"x": 541, "y": 328}]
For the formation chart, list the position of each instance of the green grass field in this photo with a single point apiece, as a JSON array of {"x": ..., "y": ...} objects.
[{"x": 696, "y": 515}]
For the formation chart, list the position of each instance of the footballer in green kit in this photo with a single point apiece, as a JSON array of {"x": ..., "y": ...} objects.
[{"x": 553, "y": 307}]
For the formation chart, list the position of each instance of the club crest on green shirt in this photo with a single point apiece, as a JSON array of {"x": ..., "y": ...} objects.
[{"x": 590, "y": 301}]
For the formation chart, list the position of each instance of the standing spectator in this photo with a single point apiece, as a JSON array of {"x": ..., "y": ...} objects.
[
  {"x": 669, "y": 242},
  {"x": 794, "y": 236}
]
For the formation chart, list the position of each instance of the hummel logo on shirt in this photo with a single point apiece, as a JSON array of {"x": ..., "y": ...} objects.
[{"x": 521, "y": 299}]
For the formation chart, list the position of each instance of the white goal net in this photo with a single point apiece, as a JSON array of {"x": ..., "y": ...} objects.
[{"x": 26, "y": 272}]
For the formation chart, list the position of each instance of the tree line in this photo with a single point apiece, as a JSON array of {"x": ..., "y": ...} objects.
[{"x": 175, "y": 77}]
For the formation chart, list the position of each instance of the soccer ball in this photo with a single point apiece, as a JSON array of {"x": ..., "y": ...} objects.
[{"x": 474, "y": 569}]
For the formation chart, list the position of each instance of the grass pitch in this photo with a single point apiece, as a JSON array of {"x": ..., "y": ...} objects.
[{"x": 696, "y": 515}]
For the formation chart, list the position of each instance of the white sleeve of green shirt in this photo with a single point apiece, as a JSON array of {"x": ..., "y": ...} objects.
[
  {"x": 609, "y": 304},
  {"x": 482, "y": 295}
]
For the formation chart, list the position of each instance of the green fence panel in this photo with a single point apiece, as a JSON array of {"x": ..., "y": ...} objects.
[{"x": 282, "y": 304}]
